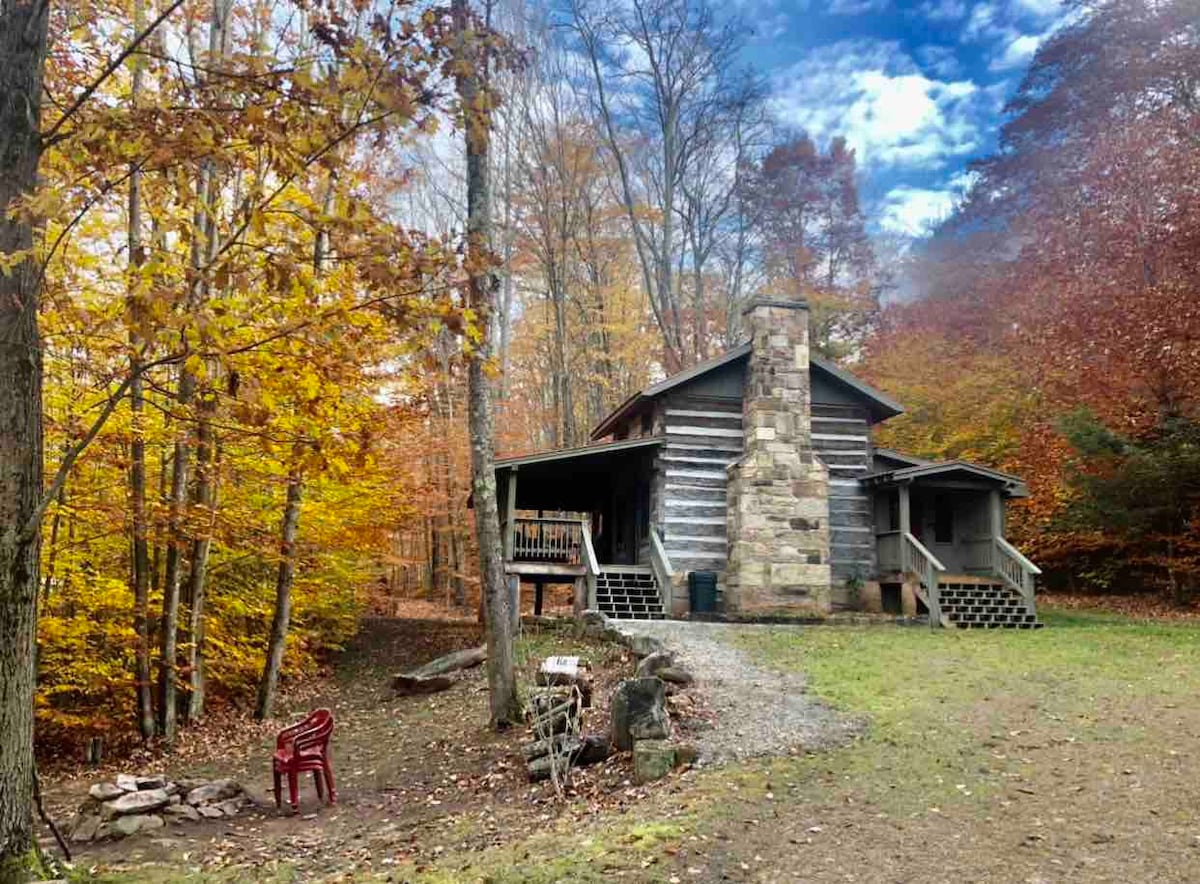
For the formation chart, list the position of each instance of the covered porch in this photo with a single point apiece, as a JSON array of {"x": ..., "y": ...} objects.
[
  {"x": 944, "y": 524},
  {"x": 582, "y": 516}
]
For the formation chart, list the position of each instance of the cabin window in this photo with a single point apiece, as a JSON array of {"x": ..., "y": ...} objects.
[
  {"x": 647, "y": 423},
  {"x": 894, "y": 511},
  {"x": 943, "y": 520}
]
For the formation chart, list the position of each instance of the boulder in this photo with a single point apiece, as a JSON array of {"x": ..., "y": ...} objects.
[
  {"x": 676, "y": 675},
  {"x": 638, "y": 711},
  {"x": 644, "y": 645},
  {"x": 183, "y": 812},
  {"x": 135, "y": 803},
  {"x": 106, "y": 791},
  {"x": 655, "y": 663},
  {"x": 127, "y": 782},
  {"x": 230, "y": 806},
  {"x": 86, "y": 827},
  {"x": 217, "y": 790},
  {"x": 594, "y": 624},
  {"x": 154, "y": 782},
  {"x": 652, "y": 760},
  {"x": 124, "y": 826}
]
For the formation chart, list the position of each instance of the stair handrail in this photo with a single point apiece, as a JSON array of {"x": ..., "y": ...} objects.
[
  {"x": 590, "y": 560},
  {"x": 660, "y": 565},
  {"x": 1016, "y": 570},
  {"x": 915, "y": 558}
]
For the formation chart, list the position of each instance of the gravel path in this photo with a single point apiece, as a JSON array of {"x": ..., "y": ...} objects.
[{"x": 759, "y": 711}]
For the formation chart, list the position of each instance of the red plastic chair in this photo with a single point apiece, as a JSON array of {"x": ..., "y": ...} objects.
[{"x": 304, "y": 747}]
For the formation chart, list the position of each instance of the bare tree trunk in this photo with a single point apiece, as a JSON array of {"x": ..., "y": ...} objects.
[
  {"x": 52, "y": 554},
  {"x": 205, "y": 498},
  {"x": 502, "y": 683},
  {"x": 283, "y": 599},
  {"x": 23, "y": 25},
  {"x": 137, "y": 454}
]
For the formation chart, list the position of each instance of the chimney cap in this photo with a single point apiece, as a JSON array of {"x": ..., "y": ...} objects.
[{"x": 797, "y": 302}]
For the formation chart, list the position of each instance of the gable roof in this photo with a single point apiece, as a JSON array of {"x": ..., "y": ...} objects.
[
  {"x": 1014, "y": 485},
  {"x": 881, "y": 406}
]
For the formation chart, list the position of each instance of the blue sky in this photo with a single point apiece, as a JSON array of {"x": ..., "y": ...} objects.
[{"x": 916, "y": 86}]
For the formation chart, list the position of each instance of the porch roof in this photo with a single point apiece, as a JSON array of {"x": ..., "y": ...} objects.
[
  {"x": 1012, "y": 486},
  {"x": 582, "y": 451},
  {"x": 576, "y": 479}
]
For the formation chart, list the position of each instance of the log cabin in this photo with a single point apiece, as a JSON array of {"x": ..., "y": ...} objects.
[{"x": 756, "y": 471}]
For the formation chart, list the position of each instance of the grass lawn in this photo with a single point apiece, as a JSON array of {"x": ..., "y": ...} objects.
[{"x": 1065, "y": 754}]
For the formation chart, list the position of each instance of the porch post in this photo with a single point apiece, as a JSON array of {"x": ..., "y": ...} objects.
[
  {"x": 510, "y": 513},
  {"x": 905, "y": 514},
  {"x": 996, "y": 508}
]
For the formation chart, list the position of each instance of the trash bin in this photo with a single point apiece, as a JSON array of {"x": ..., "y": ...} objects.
[{"x": 702, "y": 591}]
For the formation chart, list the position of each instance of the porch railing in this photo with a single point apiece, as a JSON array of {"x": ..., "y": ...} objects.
[
  {"x": 916, "y": 559},
  {"x": 660, "y": 565},
  {"x": 559, "y": 541},
  {"x": 1017, "y": 571},
  {"x": 589, "y": 559}
]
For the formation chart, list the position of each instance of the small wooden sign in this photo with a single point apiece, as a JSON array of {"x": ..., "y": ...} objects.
[{"x": 567, "y": 667}]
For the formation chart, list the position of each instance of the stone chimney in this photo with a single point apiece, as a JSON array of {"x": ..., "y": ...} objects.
[{"x": 778, "y": 492}]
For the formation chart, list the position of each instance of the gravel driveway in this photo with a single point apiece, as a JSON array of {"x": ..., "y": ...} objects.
[{"x": 759, "y": 711}]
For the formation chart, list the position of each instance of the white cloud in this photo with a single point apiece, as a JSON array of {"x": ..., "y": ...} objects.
[
  {"x": 1017, "y": 53},
  {"x": 940, "y": 60},
  {"x": 943, "y": 10},
  {"x": 913, "y": 211},
  {"x": 855, "y": 7},
  {"x": 875, "y": 95},
  {"x": 1041, "y": 8}
]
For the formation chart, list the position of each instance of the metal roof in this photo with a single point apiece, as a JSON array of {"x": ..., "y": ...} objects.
[{"x": 884, "y": 406}]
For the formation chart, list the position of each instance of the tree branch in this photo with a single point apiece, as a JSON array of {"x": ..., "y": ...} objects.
[{"x": 50, "y": 137}]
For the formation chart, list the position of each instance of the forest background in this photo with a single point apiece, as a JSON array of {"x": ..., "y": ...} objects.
[{"x": 274, "y": 189}]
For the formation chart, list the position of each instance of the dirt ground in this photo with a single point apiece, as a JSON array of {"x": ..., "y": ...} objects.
[
  {"x": 1068, "y": 754},
  {"x": 413, "y": 773}
]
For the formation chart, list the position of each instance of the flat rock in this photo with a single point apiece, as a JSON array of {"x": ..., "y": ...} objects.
[
  {"x": 652, "y": 760},
  {"x": 183, "y": 811},
  {"x": 106, "y": 791},
  {"x": 655, "y": 663},
  {"x": 134, "y": 803},
  {"x": 217, "y": 790},
  {"x": 675, "y": 675},
  {"x": 210, "y": 811},
  {"x": 638, "y": 711},
  {"x": 230, "y": 806},
  {"x": 643, "y": 645},
  {"x": 154, "y": 782},
  {"x": 124, "y": 826},
  {"x": 127, "y": 782}
]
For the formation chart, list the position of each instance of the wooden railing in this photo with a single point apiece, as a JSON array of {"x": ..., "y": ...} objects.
[
  {"x": 548, "y": 540},
  {"x": 916, "y": 559},
  {"x": 1017, "y": 571},
  {"x": 660, "y": 565},
  {"x": 887, "y": 546},
  {"x": 593, "y": 564}
]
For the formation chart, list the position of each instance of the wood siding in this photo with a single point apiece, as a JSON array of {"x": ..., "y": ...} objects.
[
  {"x": 704, "y": 436},
  {"x": 842, "y": 439}
]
